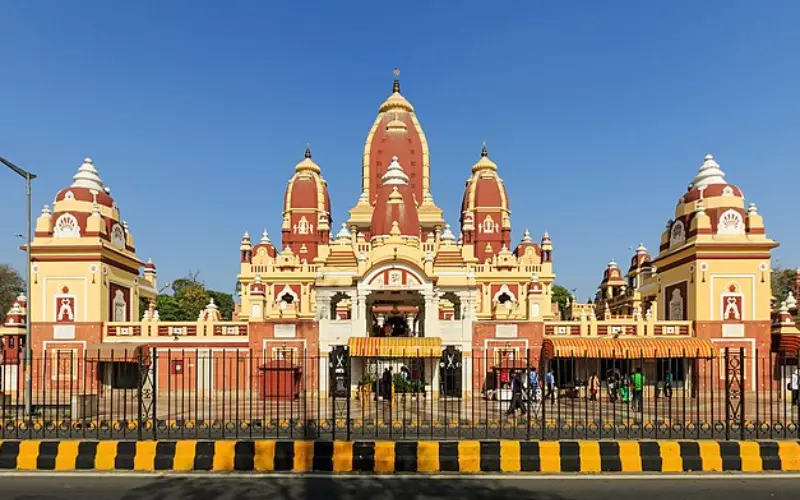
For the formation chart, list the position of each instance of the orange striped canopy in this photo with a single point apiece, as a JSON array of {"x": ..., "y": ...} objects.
[
  {"x": 395, "y": 347},
  {"x": 609, "y": 348}
]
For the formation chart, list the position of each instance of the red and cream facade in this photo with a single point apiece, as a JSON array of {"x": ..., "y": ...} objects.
[{"x": 394, "y": 279}]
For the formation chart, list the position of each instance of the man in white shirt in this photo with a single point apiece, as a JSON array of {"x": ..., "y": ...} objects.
[{"x": 795, "y": 386}]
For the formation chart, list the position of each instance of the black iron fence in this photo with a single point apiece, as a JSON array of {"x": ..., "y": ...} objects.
[{"x": 205, "y": 394}]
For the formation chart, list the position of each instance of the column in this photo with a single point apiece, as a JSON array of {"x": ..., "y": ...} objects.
[
  {"x": 323, "y": 303},
  {"x": 359, "y": 313},
  {"x": 431, "y": 312}
]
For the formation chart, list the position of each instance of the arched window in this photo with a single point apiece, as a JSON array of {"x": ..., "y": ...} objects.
[
  {"x": 66, "y": 226},
  {"x": 303, "y": 226},
  {"x": 677, "y": 234},
  {"x": 118, "y": 236},
  {"x": 730, "y": 222},
  {"x": 488, "y": 224},
  {"x": 120, "y": 307}
]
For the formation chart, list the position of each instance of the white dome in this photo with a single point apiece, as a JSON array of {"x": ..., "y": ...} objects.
[
  {"x": 87, "y": 176},
  {"x": 709, "y": 173}
]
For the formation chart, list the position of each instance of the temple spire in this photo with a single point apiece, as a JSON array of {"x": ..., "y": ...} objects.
[
  {"x": 396, "y": 86},
  {"x": 484, "y": 151}
]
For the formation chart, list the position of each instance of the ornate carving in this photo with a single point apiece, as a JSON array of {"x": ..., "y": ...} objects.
[
  {"x": 66, "y": 226},
  {"x": 730, "y": 222},
  {"x": 677, "y": 234}
]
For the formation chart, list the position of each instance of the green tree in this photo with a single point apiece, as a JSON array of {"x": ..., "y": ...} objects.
[
  {"x": 169, "y": 309},
  {"x": 188, "y": 298},
  {"x": 782, "y": 282},
  {"x": 11, "y": 285},
  {"x": 560, "y": 296}
]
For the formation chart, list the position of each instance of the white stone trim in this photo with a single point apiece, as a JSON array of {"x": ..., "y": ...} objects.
[
  {"x": 70, "y": 278},
  {"x": 286, "y": 289},
  {"x": 752, "y": 278},
  {"x": 364, "y": 282},
  {"x": 504, "y": 289}
]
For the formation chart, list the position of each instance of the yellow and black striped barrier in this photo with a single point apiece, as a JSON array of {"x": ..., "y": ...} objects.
[{"x": 402, "y": 456}]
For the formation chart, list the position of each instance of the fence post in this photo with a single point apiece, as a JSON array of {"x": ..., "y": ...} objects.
[
  {"x": 139, "y": 398},
  {"x": 727, "y": 395},
  {"x": 743, "y": 392},
  {"x": 349, "y": 389},
  {"x": 531, "y": 392},
  {"x": 154, "y": 391}
]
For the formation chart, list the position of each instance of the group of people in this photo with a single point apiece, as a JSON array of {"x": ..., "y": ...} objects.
[
  {"x": 519, "y": 390},
  {"x": 621, "y": 386},
  {"x": 628, "y": 388}
]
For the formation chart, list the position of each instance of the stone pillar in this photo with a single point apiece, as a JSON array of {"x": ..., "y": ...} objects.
[
  {"x": 467, "y": 313},
  {"x": 323, "y": 305},
  {"x": 431, "y": 312},
  {"x": 359, "y": 313}
]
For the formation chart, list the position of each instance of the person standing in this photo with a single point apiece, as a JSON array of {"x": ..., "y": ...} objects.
[
  {"x": 550, "y": 382},
  {"x": 612, "y": 387},
  {"x": 795, "y": 386},
  {"x": 386, "y": 382},
  {"x": 516, "y": 395},
  {"x": 533, "y": 385},
  {"x": 668, "y": 384},
  {"x": 594, "y": 386},
  {"x": 637, "y": 381}
]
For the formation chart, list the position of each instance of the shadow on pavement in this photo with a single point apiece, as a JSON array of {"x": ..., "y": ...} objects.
[{"x": 300, "y": 488}]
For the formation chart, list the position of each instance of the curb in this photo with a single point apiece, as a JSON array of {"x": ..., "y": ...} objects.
[{"x": 402, "y": 456}]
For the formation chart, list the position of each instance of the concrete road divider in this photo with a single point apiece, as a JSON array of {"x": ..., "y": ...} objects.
[{"x": 402, "y": 456}]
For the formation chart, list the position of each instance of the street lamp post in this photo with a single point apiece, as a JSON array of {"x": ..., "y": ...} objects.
[{"x": 28, "y": 376}]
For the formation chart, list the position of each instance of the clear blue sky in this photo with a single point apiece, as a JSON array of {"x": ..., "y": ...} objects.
[{"x": 598, "y": 113}]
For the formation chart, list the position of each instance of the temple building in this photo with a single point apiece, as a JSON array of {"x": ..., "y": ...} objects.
[{"x": 396, "y": 281}]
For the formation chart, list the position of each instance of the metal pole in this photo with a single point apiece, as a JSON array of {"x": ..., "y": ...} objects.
[
  {"x": 28, "y": 364},
  {"x": 28, "y": 375}
]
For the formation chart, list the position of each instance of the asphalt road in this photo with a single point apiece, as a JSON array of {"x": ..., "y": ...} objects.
[{"x": 242, "y": 487}]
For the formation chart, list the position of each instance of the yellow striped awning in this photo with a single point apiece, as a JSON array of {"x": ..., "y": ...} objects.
[
  {"x": 395, "y": 347},
  {"x": 609, "y": 348}
]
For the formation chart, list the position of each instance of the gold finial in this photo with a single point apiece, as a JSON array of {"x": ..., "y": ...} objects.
[
  {"x": 484, "y": 152},
  {"x": 396, "y": 87},
  {"x": 308, "y": 150}
]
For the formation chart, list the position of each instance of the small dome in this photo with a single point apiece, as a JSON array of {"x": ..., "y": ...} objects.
[
  {"x": 709, "y": 173},
  {"x": 484, "y": 163},
  {"x": 447, "y": 234},
  {"x": 344, "y": 233},
  {"x": 86, "y": 186},
  {"x": 484, "y": 189},
  {"x": 307, "y": 189},
  {"x": 396, "y": 125},
  {"x": 307, "y": 164},
  {"x": 395, "y": 206},
  {"x": 394, "y": 174},
  {"x": 87, "y": 176}
]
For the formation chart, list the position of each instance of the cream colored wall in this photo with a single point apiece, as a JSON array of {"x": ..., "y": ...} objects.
[
  {"x": 89, "y": 289},
  {"x": 705, "y": 288},
  {"x": 53, "y": 277}
]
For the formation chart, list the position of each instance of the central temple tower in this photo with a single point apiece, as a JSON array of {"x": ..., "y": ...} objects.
[{"x": 396, "y": 134}]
